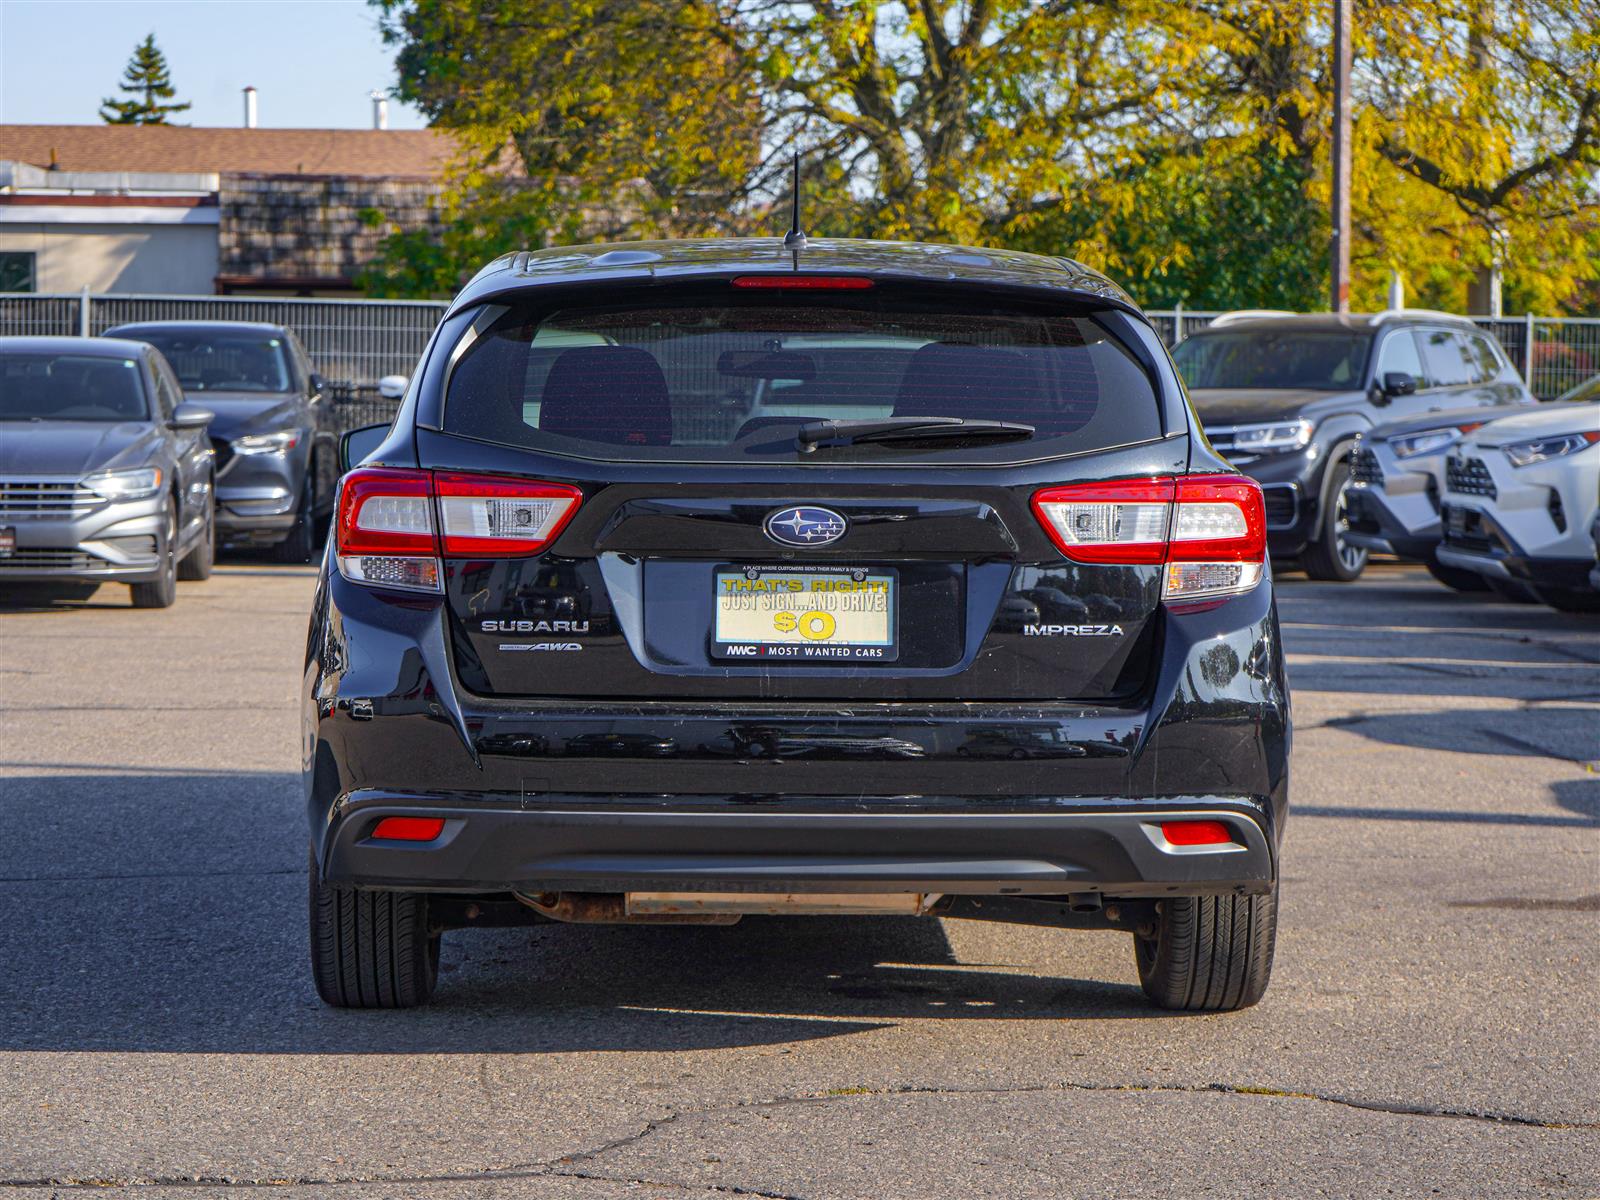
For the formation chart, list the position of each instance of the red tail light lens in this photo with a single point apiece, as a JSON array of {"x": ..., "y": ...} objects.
[
  {"x": 1210, "y": 531},
  {"x": 389, "y": 534},
  {"x": 1120, "y": 522},
  {"x": 384, "y": 532},
  {"x": 1196, "y": 833},
  {"x": 409, "y": 829},
  {"x": 489, "y": 517}
]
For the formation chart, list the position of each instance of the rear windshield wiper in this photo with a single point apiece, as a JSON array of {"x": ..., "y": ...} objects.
[{"x": 904, "y": 429}]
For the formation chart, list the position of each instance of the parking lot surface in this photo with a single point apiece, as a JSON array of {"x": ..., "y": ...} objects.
[{"x": 1431, "y": 1027}]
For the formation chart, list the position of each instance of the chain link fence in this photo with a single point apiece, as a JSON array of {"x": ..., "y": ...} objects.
[{"x": 354, "y": 343}]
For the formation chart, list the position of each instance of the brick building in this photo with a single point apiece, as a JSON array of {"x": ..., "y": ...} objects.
[{"x": 186, "y": 211}]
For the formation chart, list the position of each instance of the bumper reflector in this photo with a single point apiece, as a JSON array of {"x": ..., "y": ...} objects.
[
  {"x": 409, "y": 829},
  {"x": 1196, "y": 833}
]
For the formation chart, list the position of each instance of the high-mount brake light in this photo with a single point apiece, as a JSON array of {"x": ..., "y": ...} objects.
[
  {"x": 387, "y": 533},
  {"x": 804, "y": 283},
  {"x": 1209, "y": 532}
]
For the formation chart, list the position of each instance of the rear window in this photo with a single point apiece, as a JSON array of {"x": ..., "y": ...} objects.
[
  {"x": 720, "y": 378},
  {"x": 71, "y": 387},
  {"x": 1331, "y": 361}
]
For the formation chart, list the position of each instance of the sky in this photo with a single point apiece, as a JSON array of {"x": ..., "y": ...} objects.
[{"x": 313, "y": 62}]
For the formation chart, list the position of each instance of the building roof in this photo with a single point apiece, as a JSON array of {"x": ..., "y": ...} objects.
[{"x": 387, "y": 153}]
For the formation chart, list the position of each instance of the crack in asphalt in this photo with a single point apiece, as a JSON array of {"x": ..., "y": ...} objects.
[{"x": 564, "y": 1166}]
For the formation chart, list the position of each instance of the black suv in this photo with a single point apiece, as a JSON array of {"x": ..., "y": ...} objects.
[
  {"x": 1285, "y": 397},
  {"x": 276, "y": 466},
  {"x": 593, "y": 643}
]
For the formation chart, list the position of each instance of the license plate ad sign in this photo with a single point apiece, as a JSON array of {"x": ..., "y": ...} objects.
[{"x": 820, "y": 615}]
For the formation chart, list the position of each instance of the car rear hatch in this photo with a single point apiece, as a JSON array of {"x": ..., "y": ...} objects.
[{"x": 640, "y": 499}]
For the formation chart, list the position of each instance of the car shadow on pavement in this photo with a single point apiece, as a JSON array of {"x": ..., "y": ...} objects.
[
  {"x": 1568, "y": 733},
  {"x": 165, "y": 912}
]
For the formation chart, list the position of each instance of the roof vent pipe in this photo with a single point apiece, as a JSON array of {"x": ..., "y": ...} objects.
[
  {"x": 249, "y": 108},
  {"x": 380, "y": 110}
]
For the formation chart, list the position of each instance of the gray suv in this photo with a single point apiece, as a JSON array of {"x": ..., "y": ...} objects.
[
  {"x": 1285, "y": 398},
  {"x": 276, "y": 465},
  {"x": 105, "y": 476}
]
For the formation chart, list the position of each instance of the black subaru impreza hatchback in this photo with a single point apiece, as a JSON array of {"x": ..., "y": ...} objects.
[{"x": 703, "y": 579}]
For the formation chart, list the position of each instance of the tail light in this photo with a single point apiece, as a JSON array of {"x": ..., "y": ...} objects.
[
  {"x": 1209, "y": 532},
  {"x": 395, "y": 525}
]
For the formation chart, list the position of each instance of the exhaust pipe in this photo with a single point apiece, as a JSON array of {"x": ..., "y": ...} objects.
[
  {"x": 722, "y": 908},
  {"x": 611, "y": 908}
]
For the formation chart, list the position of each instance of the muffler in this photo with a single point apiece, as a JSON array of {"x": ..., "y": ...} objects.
[
  {"x": 784, "y": 904},
  {"x": 719, "y": 908},
  {"x": 610, "y": 908}
]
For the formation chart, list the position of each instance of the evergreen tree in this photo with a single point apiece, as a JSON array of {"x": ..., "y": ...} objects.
[{"x": 147, "y": 83}]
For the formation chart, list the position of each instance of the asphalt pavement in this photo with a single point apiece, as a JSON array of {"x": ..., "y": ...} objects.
[{"x": 1431, "y": 1027}]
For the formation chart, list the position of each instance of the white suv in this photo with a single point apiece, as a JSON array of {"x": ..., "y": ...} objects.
[{"x": 1519, "y": 498}]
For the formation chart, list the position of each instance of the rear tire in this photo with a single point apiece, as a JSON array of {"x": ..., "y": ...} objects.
[
  {"x": 302, "y": 540},
  {"x": 1457, "y": 579},
  {"x": 161, "y": 591},
  {"x": 371, "y": 949},
  {"x": 1209, "y": 953},
  {"x": 196, "y": 565},
  {"x": 1570, "y": 600},
  {"x": 1329, "y": 556}
]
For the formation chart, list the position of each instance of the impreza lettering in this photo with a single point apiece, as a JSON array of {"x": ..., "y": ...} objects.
[{"x": 1072, "y": 631}]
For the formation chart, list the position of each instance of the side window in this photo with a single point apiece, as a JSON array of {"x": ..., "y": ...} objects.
[
  {"x": 1447, "y": 359},
  {"x": 168, "y": 397},
  {"x": 1484, "y": 355},
  {"x": 1399, "y": 353}
]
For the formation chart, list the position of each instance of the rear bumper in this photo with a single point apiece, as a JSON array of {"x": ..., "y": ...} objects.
[{"x": 576, "y": 844}]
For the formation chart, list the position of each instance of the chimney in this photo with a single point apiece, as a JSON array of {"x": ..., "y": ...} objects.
[
  {"x": 249, "y": 108},
  {"x": 380, "y": 110}
]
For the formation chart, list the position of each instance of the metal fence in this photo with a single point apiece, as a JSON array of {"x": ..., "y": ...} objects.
[
  {"x": 1566, "y": 350},
  {"x": 354, "y": 343}
]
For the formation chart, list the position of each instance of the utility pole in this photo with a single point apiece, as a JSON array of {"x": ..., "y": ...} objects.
[{"x": 1341, "y": 157}]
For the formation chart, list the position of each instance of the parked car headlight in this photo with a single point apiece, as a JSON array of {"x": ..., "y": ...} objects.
[
  {"x": 279, "y": 442},
  {"x": 1282, "y": 435},
  {"x": 134, "y": 484},
  {"x": 1426, "y": 440},
  {"x": 1525, "y": 454}
]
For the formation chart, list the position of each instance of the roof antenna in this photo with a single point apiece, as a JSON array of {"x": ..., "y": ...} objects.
[{"x": 795, "y": 239}]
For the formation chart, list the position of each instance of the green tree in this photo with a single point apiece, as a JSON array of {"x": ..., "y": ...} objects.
[
  {"x": 1181, "y": 147},
  {"x": 147, "y": 83}
]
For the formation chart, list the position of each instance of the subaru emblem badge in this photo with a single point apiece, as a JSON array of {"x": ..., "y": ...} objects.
[{"x": 805, "y": 525}]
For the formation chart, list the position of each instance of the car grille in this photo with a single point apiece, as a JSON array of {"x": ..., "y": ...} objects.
[
  {"x": 1365, "y": 468},
  {"x": 44, "y": 498},
  {"x": 34, "y": 558},
  {"x": 1470, "y": 477},
  {"x": 1281, "y": 504},
  {"x": 1464, "y": 528}
]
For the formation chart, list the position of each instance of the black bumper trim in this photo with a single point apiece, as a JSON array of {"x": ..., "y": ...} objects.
[{"x": 1115, "y": 850}]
